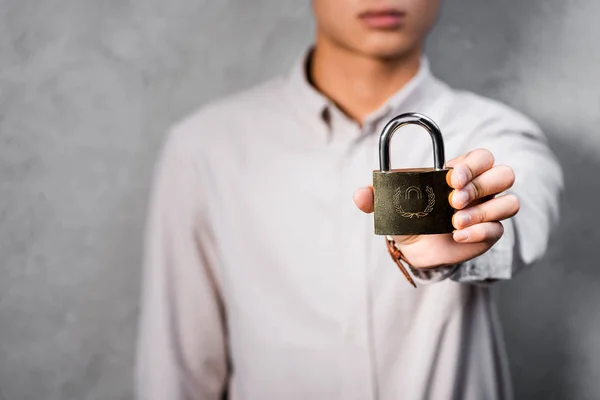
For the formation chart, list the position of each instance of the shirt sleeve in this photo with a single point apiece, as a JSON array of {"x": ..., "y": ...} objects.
[
  {"x": 521, "y": 145},
  {"x": 517, "y": 142},
  {"x": 181, "y": 345},
  {"x": 426, "y": 276}
]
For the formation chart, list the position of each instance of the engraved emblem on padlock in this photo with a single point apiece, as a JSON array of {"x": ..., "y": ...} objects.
[{"x": 412, "y": 201}]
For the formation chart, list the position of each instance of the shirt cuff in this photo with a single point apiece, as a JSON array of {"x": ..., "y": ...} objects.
[
  {"x": 429, "y": 275},
  {"x": 493, "y": 265}
]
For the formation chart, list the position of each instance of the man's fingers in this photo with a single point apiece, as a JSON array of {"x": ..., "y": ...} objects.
[
  {"x": 468, "y": 167},
  {"x": 497, "y": 209},
  {"x": 364, "y": 199},
  {"x": 492, "y": 182},
  {"x": 489, "y": 232},
  {"x": 454, "y": 161}
]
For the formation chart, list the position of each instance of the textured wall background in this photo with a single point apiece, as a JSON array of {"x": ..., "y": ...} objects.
[
  {"x": 87, "y": 89},
  {"x": 543, "y": 57}
]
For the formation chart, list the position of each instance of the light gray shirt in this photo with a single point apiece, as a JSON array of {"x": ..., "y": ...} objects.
[{"x": 263, "y": 278}]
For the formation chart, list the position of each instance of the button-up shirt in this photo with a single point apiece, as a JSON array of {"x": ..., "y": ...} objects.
[{"x": 263, "y": 279}]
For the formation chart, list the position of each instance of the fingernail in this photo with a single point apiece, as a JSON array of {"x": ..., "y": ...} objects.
[
  {"x": 461, "y": 220},
  {"x": 461, "y": 177},
  {"x": 461, "y": 236},
  {"x": 460, "y": 198}
]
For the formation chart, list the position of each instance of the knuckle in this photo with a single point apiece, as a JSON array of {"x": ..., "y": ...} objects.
[
  {"x": 500, "y": 229},
  {"x": 490, "y": 157},
  {"x": 510, "y": 205},
  {"x": 515, "y": 204},
  {"x": 475, "y": 189},
  {"x": 481, "y": 234},
  {"x": 488, "y": 232},
  {"x": 481, "y": 215},
  {"x": 507, "y": 172},
  {"x": 487, "y": 156},
  {"x": 466, "y": 168},
  {"x": 495, "y": 230},
  {"x": 470, "y": 173}
]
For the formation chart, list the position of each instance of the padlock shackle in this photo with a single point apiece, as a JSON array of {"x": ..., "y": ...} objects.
[{"x": 411, "y": 119}]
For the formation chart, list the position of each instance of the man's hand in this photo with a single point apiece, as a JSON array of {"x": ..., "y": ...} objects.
[{"x": 476, "y": 182}]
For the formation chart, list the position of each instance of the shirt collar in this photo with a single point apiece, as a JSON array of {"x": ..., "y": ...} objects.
[{"x": 317, "y": 104}]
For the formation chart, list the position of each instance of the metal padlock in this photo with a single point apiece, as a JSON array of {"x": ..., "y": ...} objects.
[{"x": 412, "y": 201}]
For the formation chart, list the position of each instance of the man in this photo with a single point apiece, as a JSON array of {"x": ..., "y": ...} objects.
[{"x": 265, "y": 281}]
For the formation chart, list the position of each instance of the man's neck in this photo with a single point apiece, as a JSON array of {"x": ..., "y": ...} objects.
[{"x": 359, "y": 84}]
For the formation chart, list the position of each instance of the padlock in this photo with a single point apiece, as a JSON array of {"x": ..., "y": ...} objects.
[{"x": 412, "y": 201}]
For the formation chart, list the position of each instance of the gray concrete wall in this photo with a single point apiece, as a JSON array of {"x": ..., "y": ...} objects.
[
  {"x": 87, "y": 89},
  {"x": 543, "y": 57}
]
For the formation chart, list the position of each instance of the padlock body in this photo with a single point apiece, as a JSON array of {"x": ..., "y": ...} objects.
[{"x": 412, "y": 202}]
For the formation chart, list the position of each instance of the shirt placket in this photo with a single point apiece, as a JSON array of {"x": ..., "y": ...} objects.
[{"x": 356, "y": 363}]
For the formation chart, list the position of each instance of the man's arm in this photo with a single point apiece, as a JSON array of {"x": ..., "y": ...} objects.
[
  {"x": 512, "y": 165},
  {"x": 538, "y": 186},
  {"x": 181, "y": 339}
]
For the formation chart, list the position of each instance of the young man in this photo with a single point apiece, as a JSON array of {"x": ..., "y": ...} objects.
[{"x": 264, "y": 280}]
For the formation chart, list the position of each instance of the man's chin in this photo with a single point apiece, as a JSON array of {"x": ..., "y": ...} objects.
[{"x": 391, "y": 51}]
